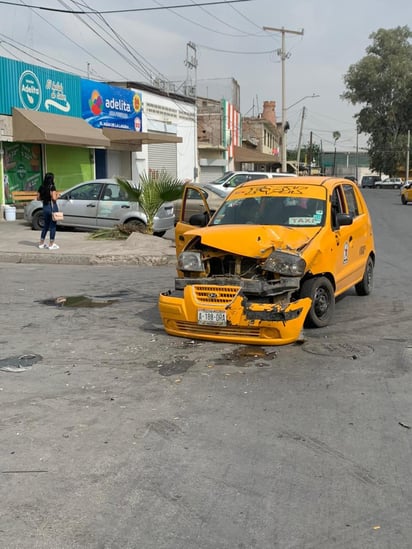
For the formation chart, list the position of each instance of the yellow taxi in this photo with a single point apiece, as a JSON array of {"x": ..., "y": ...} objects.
[
  {"x": 271, "y": 259},
  {"x": 406, "y": 192}
]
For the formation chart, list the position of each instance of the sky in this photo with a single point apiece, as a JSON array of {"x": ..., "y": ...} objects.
[{"x": 229, "y": 42}]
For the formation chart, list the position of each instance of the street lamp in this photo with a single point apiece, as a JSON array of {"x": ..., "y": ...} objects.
[{"x": 303, "y": 99}]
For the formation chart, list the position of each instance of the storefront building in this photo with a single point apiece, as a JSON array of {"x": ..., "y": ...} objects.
[{"x": 81, "y": 129}]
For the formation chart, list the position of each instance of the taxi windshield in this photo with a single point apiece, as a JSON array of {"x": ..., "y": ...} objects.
[{"x": 272, "y": 210}]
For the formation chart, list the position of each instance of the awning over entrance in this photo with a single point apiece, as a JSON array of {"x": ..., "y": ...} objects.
[
  {"x": 42, "y": 127},
  {"x": 132, "y": 141},
  {"x": 243, "y": 154}
]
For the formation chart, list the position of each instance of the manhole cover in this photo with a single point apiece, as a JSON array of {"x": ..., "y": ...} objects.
[{"x": 338, "y": 349}]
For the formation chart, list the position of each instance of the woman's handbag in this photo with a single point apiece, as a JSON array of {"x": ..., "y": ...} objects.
[{"x": 57, "y": 216}]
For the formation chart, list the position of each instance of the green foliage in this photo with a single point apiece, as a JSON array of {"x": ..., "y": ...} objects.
[
  {"x": 119, "y": 232},
  {"x": 308, "y": 151},
  {"x": 381, "y": 82},
  {"x": 152, "y": 192}
]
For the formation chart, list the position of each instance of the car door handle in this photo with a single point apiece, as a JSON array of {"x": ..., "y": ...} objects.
[
  {"x": 91, "y": 205},
  {"x": 125, "y": 206}
]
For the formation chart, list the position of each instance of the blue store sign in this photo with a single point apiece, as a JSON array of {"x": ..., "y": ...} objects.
[
  {"x": 38, "y": 89},
  {"x": 105, "y": 106}
]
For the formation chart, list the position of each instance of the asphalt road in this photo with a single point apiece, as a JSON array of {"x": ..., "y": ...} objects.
[{"x": 115, "y": 435}]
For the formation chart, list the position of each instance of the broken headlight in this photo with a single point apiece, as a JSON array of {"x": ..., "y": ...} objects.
[
  {"x": 285, "y": 264},
  {"x": 190, "y": 261}
]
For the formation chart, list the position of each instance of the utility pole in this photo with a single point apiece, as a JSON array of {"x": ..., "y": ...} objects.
[
  {"x": 300, "y": 140},
  {"x": 283, "y": 56},
  {"x": 310, "y": 155},
  {"x": 407, "y": 157},
  {"x": 191, "y": 90},
  {"x": 357, "y": 155}
]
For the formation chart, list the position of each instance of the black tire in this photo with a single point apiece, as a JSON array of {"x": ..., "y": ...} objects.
[
  {"x": 403, "y": 200},
  {"x": 160, "y": 233},
  {"x": 37, "y": 220},
  {"x": 136, "y": 225},
  {"x": 320, "y": 290},
  {"x": 364, "y": 287},
  {"x": 378, "y": 187},
  {"x": 396, "y": 186}
]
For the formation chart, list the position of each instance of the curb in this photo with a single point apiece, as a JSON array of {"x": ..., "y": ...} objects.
[{"x": 78, "y": 259}]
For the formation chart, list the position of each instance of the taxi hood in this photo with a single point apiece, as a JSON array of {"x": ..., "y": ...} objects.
[{"x": 255, "y": 240}]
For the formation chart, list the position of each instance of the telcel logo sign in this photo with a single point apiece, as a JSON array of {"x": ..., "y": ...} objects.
[{"x": 30, "y": 91}]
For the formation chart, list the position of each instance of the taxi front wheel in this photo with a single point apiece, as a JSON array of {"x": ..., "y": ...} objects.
[{"x": 321, "y": 292}]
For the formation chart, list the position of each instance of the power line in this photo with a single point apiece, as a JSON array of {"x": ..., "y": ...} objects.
[
  {"x": 83, "y": 12},
  {"x": 235, "y": 52},
  {"x": 136, "y": 64}
]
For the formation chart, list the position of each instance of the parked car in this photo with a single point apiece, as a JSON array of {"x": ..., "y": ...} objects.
[
  {"x": 351, "y": 178},
  {"x": 230, "y": 180},
  {"x": 99, "y": 204},
  {"x": 389, "y": 183},
  {"x": 369, "y": 181},
  {"x": 274, "y": 256},
  {"x": 195, "y": 205}
]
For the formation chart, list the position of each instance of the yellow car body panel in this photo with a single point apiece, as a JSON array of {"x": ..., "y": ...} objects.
[
  {"x": 299, "y": 244},
  {"x": 406, "y": 195},
  {"x": 180, "y": 318}
]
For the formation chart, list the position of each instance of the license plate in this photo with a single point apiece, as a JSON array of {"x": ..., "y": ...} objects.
[{"x": 211, "y": 318}]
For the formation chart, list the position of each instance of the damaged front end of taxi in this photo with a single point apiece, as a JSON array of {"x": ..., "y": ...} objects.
[{"x": 226, "y": 296}]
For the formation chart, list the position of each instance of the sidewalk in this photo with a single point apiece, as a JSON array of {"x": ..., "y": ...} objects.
[{"x": 18, "y": 244}]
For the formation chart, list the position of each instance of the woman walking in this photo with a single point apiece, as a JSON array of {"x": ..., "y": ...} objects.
[{"x": 48, "y": 195}]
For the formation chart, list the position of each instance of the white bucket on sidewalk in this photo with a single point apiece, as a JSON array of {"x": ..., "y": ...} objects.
[{"x": 10, "y": 213}]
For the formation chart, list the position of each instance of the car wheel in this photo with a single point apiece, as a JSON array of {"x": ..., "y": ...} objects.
[
  {"x": 364, "y": 287},
  {"x": 160, "y": 233},
  {"x": 135, "y": 225},
  {"x": 403, "y": 200},
  {"x": 396, "y": 186},
  {"x": 37, "y": 221},
  {"x": 320, "y": 290},
  {"x": 378, "y": 186}
]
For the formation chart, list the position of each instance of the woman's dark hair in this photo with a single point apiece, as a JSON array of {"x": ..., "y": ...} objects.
[
  {"x": 44, "y": 189},
  {"x": 48, "y": 179}
]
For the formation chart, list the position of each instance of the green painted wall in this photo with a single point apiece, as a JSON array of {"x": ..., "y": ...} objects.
[{"x": 70, "y": 165}]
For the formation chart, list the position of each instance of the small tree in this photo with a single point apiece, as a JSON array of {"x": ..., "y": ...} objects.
[{"x": 152, "y": 191}]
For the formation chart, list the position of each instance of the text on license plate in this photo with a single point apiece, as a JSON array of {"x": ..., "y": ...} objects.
[{"x": 213, "y": 318}]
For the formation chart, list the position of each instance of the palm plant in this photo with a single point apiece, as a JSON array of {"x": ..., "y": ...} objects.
[{"x": 152, "y": 191}]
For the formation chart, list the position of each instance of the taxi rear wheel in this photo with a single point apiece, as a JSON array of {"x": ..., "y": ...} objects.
[
  {"x": 364, "y": 287},
  {"x": 403, "y": 200},
  {"x": 321, "y": 292}
]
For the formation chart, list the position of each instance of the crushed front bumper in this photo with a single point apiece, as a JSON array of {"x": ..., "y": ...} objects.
[{"x": 222, "y": 313}]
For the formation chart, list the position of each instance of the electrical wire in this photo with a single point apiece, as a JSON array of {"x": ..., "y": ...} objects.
[
  {"x": 176, "y": 6},
  {"x": 70, "y": 40}
]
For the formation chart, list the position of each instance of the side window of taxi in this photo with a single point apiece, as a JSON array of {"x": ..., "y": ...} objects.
[
  {"x": 337, "y": 206},
  {"x": 353, "y": 208}
]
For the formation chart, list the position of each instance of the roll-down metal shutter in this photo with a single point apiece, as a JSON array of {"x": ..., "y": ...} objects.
[
  {"x": 210, "y": 173},
  {"x": 163, "y": 157}
]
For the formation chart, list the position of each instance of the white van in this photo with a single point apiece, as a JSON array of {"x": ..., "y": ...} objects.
[{"x": 225, "y": 184}]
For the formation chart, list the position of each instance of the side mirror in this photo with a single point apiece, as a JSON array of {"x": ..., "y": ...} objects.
[
  {"x": 199, "y": 220},
  {"x": 344, "y": 219}
]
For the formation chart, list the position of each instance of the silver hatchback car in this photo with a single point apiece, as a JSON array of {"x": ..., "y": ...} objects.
[{"x": 100, "y": 204}]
